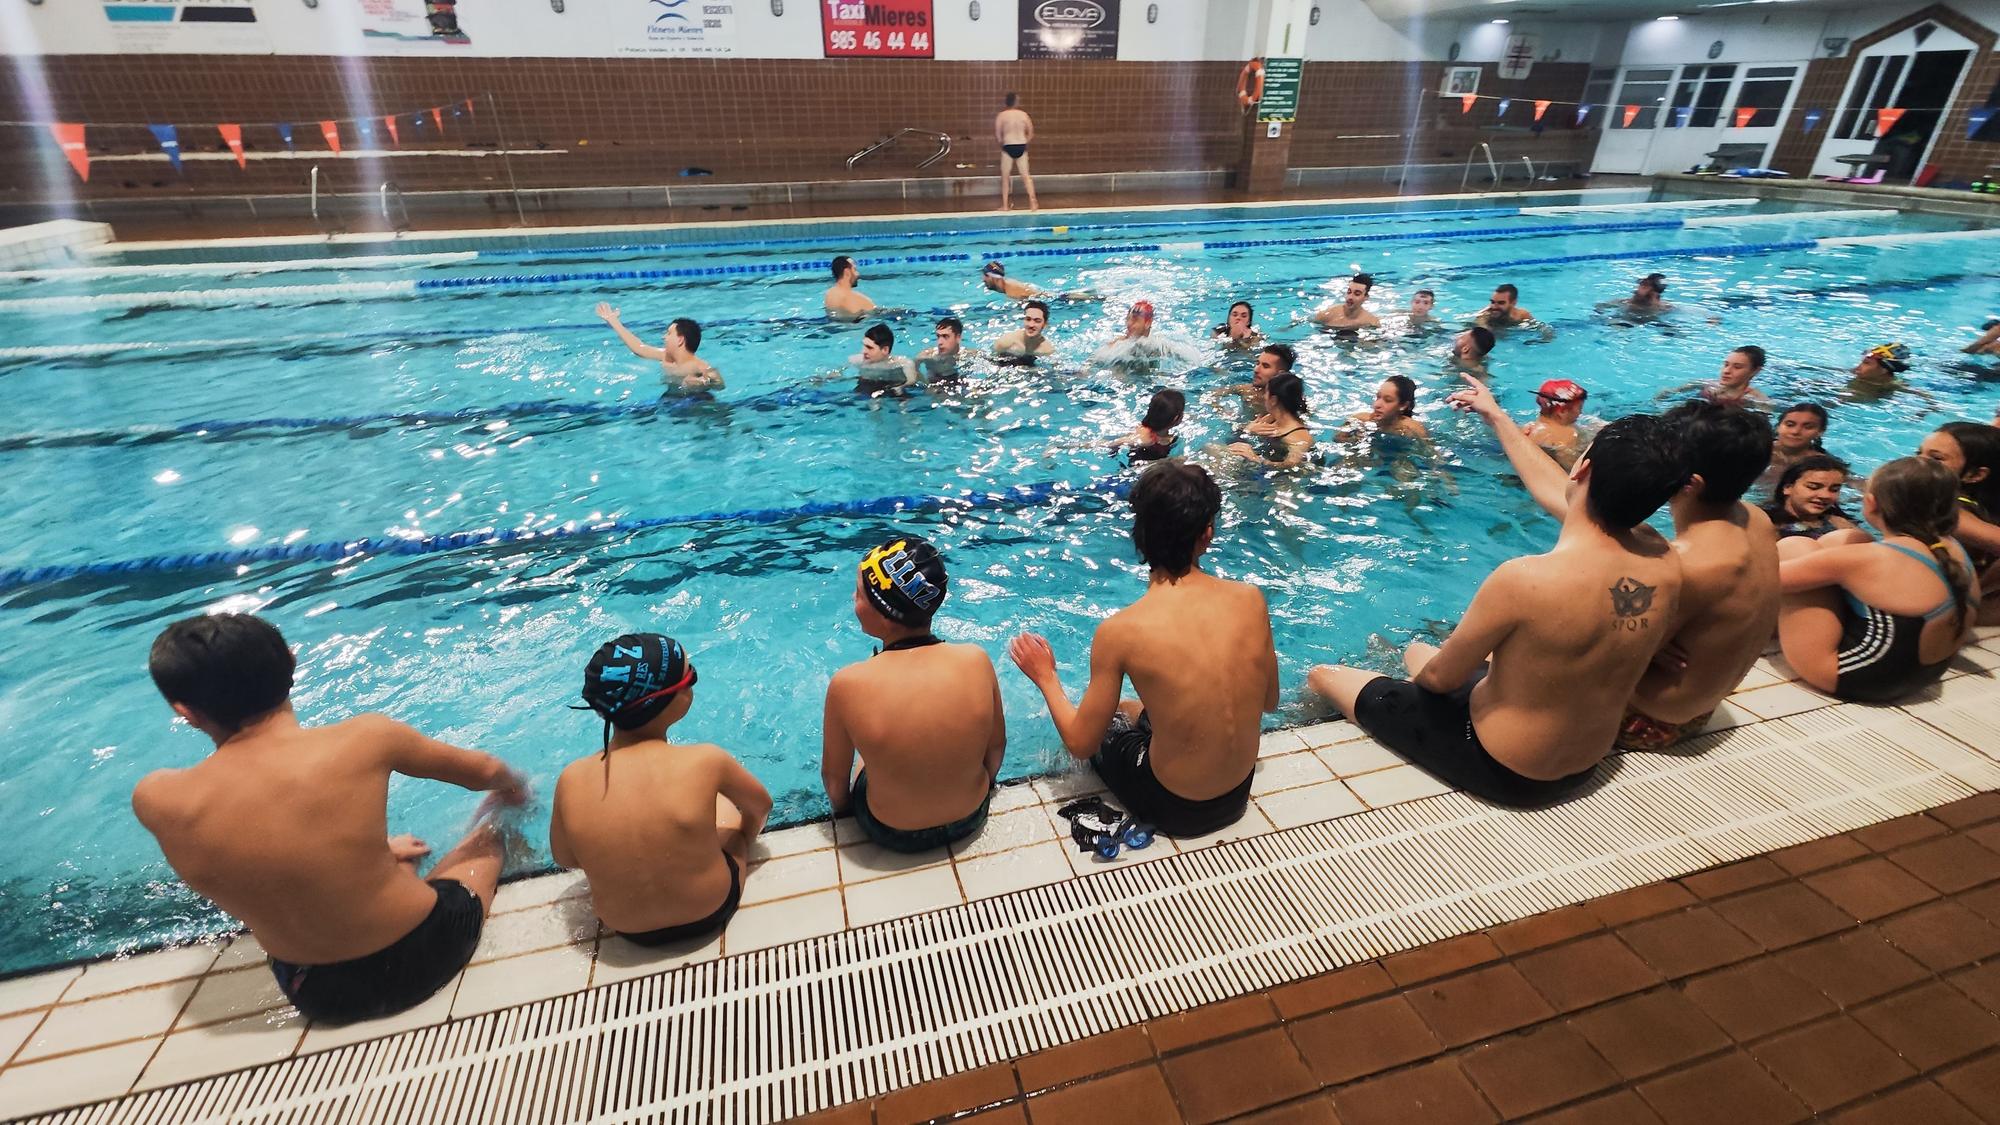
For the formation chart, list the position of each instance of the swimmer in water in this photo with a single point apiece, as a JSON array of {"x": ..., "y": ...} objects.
[
  {"x": 1875, "y": 377},
  {"x": 1031, "y": 339},
  {"x": 995, "y": 278},
  {"x": 879, "y": 370},
  {"x": 940, "y": 364},
  {"x": 1154, "y": 438},
  {"x": 1807, "y": 502},
  {"x": 1988, "y": 342},
  {"x": 1285, "y": 441},
  {"x": 1732, "y": 385},
  {"x": 1646, "y": 299},
  {"x": 1418, "y": 315},
  {"x": 1352, "y": 313},
  {"x": 1393, "y": 414},
  {"x": 1275, "y": 359},
  {"x": 1239, "y": 332},
  {"x": 843, "y": 300},
  {"x": 683, "y": 371},
  {"x": 1561, "y": 403},
  {"x": 1504, "y": 310},
  {"x": 1470, "y": 349},
  {"x": 1800, "y": 429}
]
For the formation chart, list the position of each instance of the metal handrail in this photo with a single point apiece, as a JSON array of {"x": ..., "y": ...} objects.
[
  {"x": 315, "y": 193},
  {"x": 943, "y": 140},
  {"x": 1493, "y": 167},
  {"x": 1531, "y": 167},
  {"x": 383, "y": 195}
]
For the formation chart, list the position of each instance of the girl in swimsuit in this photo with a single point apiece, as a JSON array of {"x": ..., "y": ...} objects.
[
  {"x": 1873, "y": 622},
  {"x": 1286, "y": 440},
  {"x": 1971, "y": 450},
  {"x": 1393, "y": 413},
  {"x": 1154, "y": 438},
  {"x": 1800, "y": 429},
  {"x": 1239, "y": 332},
  {"x": 1807, "y": 500}
]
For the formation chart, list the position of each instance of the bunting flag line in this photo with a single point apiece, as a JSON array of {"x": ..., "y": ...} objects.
[
  {"x": 1977, "y": 119},
  {"x": 1812, "y": 118},
  {"x": 437, "y": 115},
  {"x": 285, "y": 135},
  {"x": 1465, "y": 102},
  {"x": 1504, "y": 103},
  {"x": 232, "y": 135},
  {"x": 70, "y": 139},
  {"x": 1743, "y": 115},
  {"x": 1542, "y": 106},
  {"x": 331, "y": 132},
  {"x": 1631, "y": 111},
  {"x": 169, "y": 143},
  {"x": 1681, "y": 114},
  {"x": 1582, "y": 112},
  {"x": 391, "y": 123},
  {"x": 1885, "y": 120}
]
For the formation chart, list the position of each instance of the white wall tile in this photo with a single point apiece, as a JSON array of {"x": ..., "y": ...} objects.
[
  {"x": 899, "y": 896},
  {"x": 223, "y": 1047},
  {"x": 1309, "y": 804},
  {"x": 108, "y": 1019},
  {"x": 1004, "y": 872},
  {"x": 784, "y": 921},
  {"x": 101, "y": 978},
  {"x": 85, "y": 1076},
  {"x": 523, "y": 979}
]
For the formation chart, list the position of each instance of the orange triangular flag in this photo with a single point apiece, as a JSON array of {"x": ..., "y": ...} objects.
[
  {"x": 331, "y": 132},
  {"x": 1541, "y": 107},
  {"x": 1465, "y": 102},
  {"x": 437, "y": 115},
  {"x": 70, "y": 138},
  {"x": 1631, "y": 111},
  {"x": 1743, "y": 115},
  {"x": 232, "y": 135},
  {"x": 1885, "y": 120},
  {"x": 390, "y": 121},
  {"x": 468, "y": 107}
]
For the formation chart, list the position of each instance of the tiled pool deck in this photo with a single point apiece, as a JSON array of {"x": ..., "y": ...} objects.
[{"x": 126, "y": 1026}]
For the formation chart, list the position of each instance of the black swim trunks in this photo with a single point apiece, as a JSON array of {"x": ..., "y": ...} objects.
[
  {"x": 909, "y": 840},
  {"x": 395, "y": 979},
  {"x": 1125, "y": 761},
  {"x": 701, "y": 927},
  {"x": 1435, "y": 733},
  {"x": 1015, "y": 151}
]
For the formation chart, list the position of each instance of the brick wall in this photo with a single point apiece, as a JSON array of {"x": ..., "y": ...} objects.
[{"x": 1360, "y": 114}]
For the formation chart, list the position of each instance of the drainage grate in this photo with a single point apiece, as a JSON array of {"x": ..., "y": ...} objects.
[{"x": 785, "y": 1031}]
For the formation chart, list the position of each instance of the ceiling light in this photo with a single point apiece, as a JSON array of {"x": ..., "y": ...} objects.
[
  {"x": 1496, "y": 21},
  {"x": 1665, "y": 19}
]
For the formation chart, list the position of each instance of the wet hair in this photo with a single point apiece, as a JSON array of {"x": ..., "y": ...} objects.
[
  {"x": 1482, "y": 338},
  {"x": 1509, "y": 290},
  {"x": 690, "y": 332},
  {"x": 956, "y": 325},
  {"x": 1223, "y": 328},
  {"x": 1814, "y": 409},
  {"x": 1406, "y": 391},
  {"x": 1041, "y": 306},
  {"x": 1289, "y": 391},
  {"x": 1657, "y": 282},
  {"x": 1173, "y": 503},
  {"x": 1365, "y": 280},
  {"x": 841, "y": 265},
  {"x": 227, "y": 667},
  {"x": 1635, "y": 466},
  {"x": 1012, "y": 97},
  {"x": 1810, "y": 463},
  {"x": 1753, "y": 353},
  {"x": 1164, "y": 412},
  {"x": 1283, "y": 353},
  {"x": 1918, "y": 497},
  {"x": 1426, "y": 293},
  {"x": 1727, "y": 446},
  {"x": 1981, "y": 445},
  {"x": 880, "y": 334}
]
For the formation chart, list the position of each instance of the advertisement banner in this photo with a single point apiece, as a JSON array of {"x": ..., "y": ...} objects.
[
  {"x": 876, "y": 29},
  {"x": 673, "y": 27},
  {"x": 1069, "y": 29},
  {"x": 1281, "y": 90},
  {"x": 411, "y": 22},
  {"x": 175, "y": 26}
]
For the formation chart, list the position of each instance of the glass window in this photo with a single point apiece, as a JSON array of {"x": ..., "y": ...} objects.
[
  {"x": 1880, "y": 76},
  {"x": 1646, "y": 89},
  {"x": 1764, "y": 89},
  {"x": 1714, "y": 91},
  {"x": 1597, "y": 94},
  {"x": 1870, "y": 68}
]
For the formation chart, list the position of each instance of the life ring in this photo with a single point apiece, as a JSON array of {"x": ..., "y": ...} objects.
[{"x": 1250, "y": 83}]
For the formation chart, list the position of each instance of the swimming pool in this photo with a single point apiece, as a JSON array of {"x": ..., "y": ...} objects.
[{"x": 184, "y": 410}]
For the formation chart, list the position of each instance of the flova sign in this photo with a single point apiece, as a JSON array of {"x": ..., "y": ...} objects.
[
  {"x": 1069, "y": 29},
  {"x": 1066, "y": 14}
]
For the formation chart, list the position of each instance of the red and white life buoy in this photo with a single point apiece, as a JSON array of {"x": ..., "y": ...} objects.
[{"x": 1250, "y": 83}]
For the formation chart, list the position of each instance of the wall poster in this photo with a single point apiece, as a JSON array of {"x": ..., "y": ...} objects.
[
  {"x": 1069, "y": 29},
  {"x": 876, "y": 29}
]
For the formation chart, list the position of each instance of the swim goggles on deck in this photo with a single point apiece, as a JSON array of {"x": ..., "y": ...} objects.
[
  {"x": 1110, "y": 831},
  {"x": 890, "y": 567}
]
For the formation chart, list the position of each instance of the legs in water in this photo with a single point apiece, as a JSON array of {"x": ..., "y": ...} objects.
[
  {"x": 1339, "y": 684},
  {"x": 476, "y": 862},
  {"x": 1809, "y": 622}
]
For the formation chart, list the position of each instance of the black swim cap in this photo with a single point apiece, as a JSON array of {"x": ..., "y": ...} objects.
[
  {"x": 905, "y": 580},
  {"x": 632, "y": 679}
]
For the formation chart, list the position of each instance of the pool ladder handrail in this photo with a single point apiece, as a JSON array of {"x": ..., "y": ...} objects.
[
  {"x": 1491, "y": 165},
  {"x": 943, "y": 140},
  {"x": 382, "y": 194},
  {"x": 315, "y": 193}
]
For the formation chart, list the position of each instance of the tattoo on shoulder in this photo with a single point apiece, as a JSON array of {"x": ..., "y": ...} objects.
[{"x": 1630, "y": 599}]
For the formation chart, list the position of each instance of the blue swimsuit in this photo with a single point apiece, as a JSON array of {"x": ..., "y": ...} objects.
[{"x": 1878, "y": 657}]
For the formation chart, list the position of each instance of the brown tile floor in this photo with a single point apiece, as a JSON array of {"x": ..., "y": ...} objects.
[{"x": 1851, "y": 979}]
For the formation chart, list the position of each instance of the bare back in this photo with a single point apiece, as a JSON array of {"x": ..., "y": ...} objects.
[
  {"x": 927, "y": 725},
  {"x": 1588, "y": 617},
  {"x": 1199, "y": 652},
  {"x": 288, "y": 832},
  {"x": 641, "y": 823},
  {"x": 1013, "y": 126},
  {"x": 1728, "y": 613}
]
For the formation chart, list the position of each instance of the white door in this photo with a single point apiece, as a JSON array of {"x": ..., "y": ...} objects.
[
  {"x": 1896, "y": 73},
  {"x": 1628, "y": 132},
  {"x": 1708, "y": 101}
]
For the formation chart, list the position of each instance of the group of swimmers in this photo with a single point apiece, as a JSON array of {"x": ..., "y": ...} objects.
[{"x": 1618, "y": 638}]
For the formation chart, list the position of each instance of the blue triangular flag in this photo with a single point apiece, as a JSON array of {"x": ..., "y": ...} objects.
[
  {"x": 1812, "y": 118},
  {"x": 169, "y": 143},
  {"x": 1977, "y": 119},
  {"x": 1582, "y": 112},
  {"x": 1681, "y": 117},
  {"x": 285, "y": 135},
  {"x": 1504, "y": 103}
]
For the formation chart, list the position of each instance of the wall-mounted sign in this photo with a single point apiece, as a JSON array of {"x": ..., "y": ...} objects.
[
  {"x": 174, "y": 26},
  {"x": 877, "y": 29},
  {"x": 674, "y": 27},
  {"x": 1459, "y": 81},
  {"x": 1519, "y": 58},
  {"x": 1281, "y": 90},
  {"x": 1069, "y": 29}
]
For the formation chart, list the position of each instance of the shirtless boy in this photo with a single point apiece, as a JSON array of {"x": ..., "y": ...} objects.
[
  {"x": 1504, "y": 310},
  {"x": 878, "y": 370},
  {"x": 1526, "y": 696},
  {"x": 924, "y": 716},
  {"x": 1561, "y": 403},
  {"x": 1181, "y": 755},
  {"x": 1030, "y": 339},
  {"x": 1470, "y": 349},
  {"x": 1014, "y": 130},
  {"x": 684, "y": 371},
  {"x": 286, "y": 827},
  {"x": 843, "y": 300},
  {"x": 994, "y": 277},
  {"x": 661, "y": 830},
  {"x": 940, "y": 363},
  {"x": 1272, "y": 360},
  {"x": 1353, "y": 312}
]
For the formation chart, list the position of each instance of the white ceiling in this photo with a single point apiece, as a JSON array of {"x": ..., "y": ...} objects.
[{"x": 1403, "y": 11}]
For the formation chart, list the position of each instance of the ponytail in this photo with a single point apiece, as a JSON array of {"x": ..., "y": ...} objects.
[{"x": 1918, "y": 497}]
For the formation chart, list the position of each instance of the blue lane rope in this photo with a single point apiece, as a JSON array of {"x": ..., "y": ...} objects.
[
  {"x": 1019, "y": 496},
  {"x": 1727, "y": 249}
]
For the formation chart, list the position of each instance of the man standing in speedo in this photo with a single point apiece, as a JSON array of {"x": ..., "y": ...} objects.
[{"x": 1013, "y": 128}]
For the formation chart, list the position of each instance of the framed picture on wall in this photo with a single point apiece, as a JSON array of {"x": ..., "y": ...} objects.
[{"x": 1459, "y": 81}]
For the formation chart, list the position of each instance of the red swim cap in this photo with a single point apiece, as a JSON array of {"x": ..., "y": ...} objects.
[
  {"x": 1143, "y": 308},
  {"x": 1561, "y": 390}
]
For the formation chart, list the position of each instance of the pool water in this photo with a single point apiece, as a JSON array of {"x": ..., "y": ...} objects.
[{"x": 351, "y": 407}]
